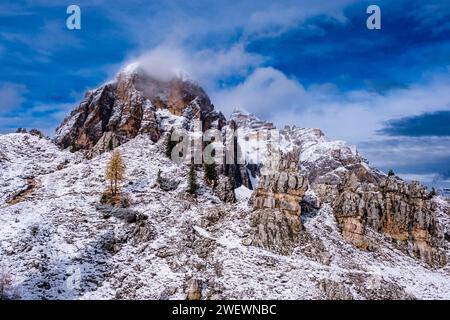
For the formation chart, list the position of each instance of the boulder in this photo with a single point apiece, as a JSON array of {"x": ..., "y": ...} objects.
[
  {"x": 126, "y": 214},
  {"x": 194, "y": 289}
]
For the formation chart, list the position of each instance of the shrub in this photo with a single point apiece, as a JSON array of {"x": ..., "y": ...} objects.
[
  {"x": 121, "y": 200},
  {"x": 36, "y": 132}
]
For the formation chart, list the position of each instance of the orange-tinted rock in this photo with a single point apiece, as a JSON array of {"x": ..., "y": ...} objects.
[{"x": 127, "y": 107}]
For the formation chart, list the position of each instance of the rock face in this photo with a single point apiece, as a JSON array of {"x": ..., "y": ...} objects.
[
  {"x": 392, "y": 207},
  {"x": 324, "y": 162},
  {"x": 194, "y": 289},
  {"x": 119, "y": 111},
  {"x": 224, "y": 189},
  {"x": 363, "y": 199},
  {"x": 277, "y": 206},
  {"x": 250, "y": 150}
]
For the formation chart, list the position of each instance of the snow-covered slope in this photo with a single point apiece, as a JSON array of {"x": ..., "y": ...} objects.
[{"x": 56, "y": 244}]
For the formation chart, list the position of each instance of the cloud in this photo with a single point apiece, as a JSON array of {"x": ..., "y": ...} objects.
[
  {"x": 426, "y": 159},
  {"x": 295, "y": 62},
  {"x": 358, "y": 116},
  {"x": 51, "y": 37},
  {"x": 11, "y": 96},
  {"x": 205, "y": 66},
  {"x": 264, "y": 92},
  {"x": 268, "y": 92},
  {"x": 188, "y": 22},
  {"x": 275, "y": 19},
  {"x": 427, "y": 124}
]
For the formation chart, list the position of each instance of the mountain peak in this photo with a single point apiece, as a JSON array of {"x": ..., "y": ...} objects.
[
  {"x": 154, "y": 71},
  {"x": 118, "y": 111}
]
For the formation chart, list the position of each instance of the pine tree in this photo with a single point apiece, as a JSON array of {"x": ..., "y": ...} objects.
[
  {"x": 115, "y": 171},
  {"x": 391, "y": 173},
  {"x": 158, "y": 177},
  {"x": 192, "y": 181},
  {"x": 210, "y": 174},
  {"x": 232, "y": 183},
  {"x": 110, "y": 145}
]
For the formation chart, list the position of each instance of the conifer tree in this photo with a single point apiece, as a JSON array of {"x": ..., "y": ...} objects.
[
  {"x": 391, "y": 173},
  {"x": 115, "y": 171},
  {"x": 110, "y": 145},
  {"x": 232, "y": 182},
  {"x": 192, "y": 181},
  {"x": 210, "y": 174},
  {"x": 158, "y": 177},
  {"x": 433, "y": 192}
]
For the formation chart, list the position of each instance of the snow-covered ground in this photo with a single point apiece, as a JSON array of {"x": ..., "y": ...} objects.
[{"x": 56, "y": 245}]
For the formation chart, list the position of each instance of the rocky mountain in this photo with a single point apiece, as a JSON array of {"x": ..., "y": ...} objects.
[
  {"x": 296, "y": 217},
  {"x": 120, "y": 110}
]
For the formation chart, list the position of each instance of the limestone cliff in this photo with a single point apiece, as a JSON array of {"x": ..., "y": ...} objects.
[
  {"x": 276, "y": 202},
  {"x": 119, "y": 111},
  {"x": 402, "y": 211}
]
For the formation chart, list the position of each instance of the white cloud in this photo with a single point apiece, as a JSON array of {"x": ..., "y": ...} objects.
[
  {"x": 354, "y": 116},
  {"x": 265, "y": 92},
  {"x": 205, "y": 66},
  {"x": 11, "y": 96}
]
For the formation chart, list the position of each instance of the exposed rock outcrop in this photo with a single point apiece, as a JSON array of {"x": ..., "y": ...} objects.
[
  {"x": 225, "y": 189},
  {"x": 194, "y": 289},
  {"x": 118, "y": 111},
  {"x": 324, "y": 162},
  {"x": 392, "y": 207},
  {"x": 277, "y": 207},
  {"x": 126, "y": 214}
]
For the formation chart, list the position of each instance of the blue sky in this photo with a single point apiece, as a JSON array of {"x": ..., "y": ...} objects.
[{"x": 308, "y": 63}]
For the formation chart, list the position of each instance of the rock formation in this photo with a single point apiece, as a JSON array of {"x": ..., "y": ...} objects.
[
  {"x": 194, "y": 289},
  {"x": 324, "y": 162},
  {"x": 277, "y": 206},
  {"x": 392, "y": 207},
  {"x": 362, "y": 197},
  {"x": 118, "y": 111}
]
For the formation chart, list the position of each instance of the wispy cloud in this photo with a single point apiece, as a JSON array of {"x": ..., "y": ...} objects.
[{"x": 206, "y": 66}]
